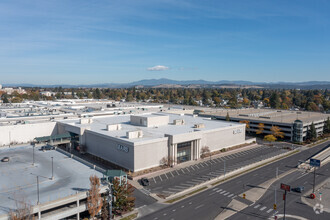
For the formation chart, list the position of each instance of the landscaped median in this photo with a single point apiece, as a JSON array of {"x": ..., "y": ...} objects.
[{"x": 203, "y": 186}]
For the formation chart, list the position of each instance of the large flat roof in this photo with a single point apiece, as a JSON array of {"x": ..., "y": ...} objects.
[
  {"x": 271, "y": 115},
  {"x": 99, "y": 126},
  {"x": 18, "y": 178}
]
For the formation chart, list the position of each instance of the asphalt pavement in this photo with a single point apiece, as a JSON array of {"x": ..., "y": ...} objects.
[
  {"x": 180, "y": 179},
  {"x": 207, "y": 204}
]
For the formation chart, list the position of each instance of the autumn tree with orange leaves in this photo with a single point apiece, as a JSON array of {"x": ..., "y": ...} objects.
[{"x": 94, "y": 199}]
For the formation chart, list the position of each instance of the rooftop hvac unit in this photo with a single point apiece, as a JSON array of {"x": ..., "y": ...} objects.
[
  {"x": 134, "y": 134},
  {"x": 178, "y": 122},
  {"x": 201, "y": 125},
  {"x": 114, "y": 127}
]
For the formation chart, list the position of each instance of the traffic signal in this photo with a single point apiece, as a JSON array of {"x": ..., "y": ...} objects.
[
  {"x": 244, "y": 195},
  {"x": 274, "y": 206}
]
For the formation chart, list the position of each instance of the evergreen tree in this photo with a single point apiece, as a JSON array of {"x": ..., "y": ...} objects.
[
  {"x": 227, "y": 117},
  {"x": 326, "y": 127},
  {"x": 313, "y": 131}
]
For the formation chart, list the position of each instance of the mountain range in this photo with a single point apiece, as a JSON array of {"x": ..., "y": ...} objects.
[{"x": 168, "y": 83}]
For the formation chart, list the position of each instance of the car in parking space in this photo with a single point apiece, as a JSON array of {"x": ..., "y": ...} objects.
[
  {"x": 47, "y": 147},
  {"x": 298, "y": 189},
  {"x": 5, "y": 159},
  {"x": 144, "y": 182}
]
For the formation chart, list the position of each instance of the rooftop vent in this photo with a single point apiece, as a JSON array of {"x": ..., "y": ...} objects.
[{"x": 86, "y": 120}]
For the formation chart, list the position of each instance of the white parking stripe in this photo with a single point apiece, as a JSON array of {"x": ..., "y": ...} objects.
[
  {"x": 160, "y": 178},
  {"x": 165, "y": 175},
  {"x": 201, "y": 165},
  {"x": 263, "y": 208},
  {"x": 172, "y": 174},
  {"x": 187, "y": 169},
  {"x": 197, "y": 166},
  {"x": 192, "y": 168},
  {"x": 182, "y": 171},
  {"x": 257, "y": 206},
  {"x": 154, "y": 179},
  {"x": 177, "y": 172}
]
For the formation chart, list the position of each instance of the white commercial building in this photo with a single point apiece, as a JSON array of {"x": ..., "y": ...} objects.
[{"x": 138, "y": 142}]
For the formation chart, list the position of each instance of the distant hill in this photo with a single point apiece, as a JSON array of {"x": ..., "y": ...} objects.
[{"x": 169, "y": 83}]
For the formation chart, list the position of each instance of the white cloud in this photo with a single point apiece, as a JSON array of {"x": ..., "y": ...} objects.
[{"x": 158, "y": 68}]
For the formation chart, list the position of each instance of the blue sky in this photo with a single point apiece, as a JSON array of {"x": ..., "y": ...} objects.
[{"x": 96, "y": 41}]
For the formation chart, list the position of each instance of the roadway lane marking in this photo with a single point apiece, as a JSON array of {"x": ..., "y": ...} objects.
[
  {"x": 230, "y": 195},
  {"x": 190, "y": 203},
  {"x": 215, "y": 189},
  {"x": 219, "y": 190},
  {"x": 263, "y": 208},
  {"x": 155, "y": 218},
  {"x": 222, "y": 192},
  {"x": 172, "y": 174},
  {"x": 177, "y": 172},
  {"x": 182, "y": 206},
  {"x": 212, "y": 193},
  {"x": 154, "y": 179},
  {"x": 173, "y": 210},
  {"x": 160, "y": 178},
  {"x": 165, "y": 175},
  {"x": 185, "y": 184},
  {"x": 164, "y": 214},
  {"x": 234, "y": 197},
  {"x": 269, "y": 210},
  {"x": 200, "y": 206},
  {"x": 226, "y": 193},
  {"x": 257, "y": 206},
  {"x": 192, "y": 168}
]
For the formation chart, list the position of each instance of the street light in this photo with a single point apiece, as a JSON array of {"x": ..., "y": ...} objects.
[
  {"x": 224, "y": 168},
  {"x": 33, "y": 145}
]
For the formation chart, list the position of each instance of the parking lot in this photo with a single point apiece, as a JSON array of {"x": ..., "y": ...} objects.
[{"x": 180, "y": 179}]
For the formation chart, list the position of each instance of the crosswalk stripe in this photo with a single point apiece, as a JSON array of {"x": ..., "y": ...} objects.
[
  {"x": 230, "y": 195},
  {"x": 219, "y": 190},
  {"x": 263, "y": 208},
  {"x": 257, "y": 206},
  {"x": 215, "y": 189},
  {"x": 269, "y": 210}
]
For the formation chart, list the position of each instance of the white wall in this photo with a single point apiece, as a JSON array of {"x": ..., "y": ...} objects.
[
  {"x": 149, "y": 155},
  {"x": 26, "y": 132},
  {"x": 224, "y": 138}
]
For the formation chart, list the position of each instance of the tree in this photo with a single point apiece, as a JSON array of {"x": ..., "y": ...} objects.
[
  {"x": 23, "y": 211},
  {"x": 276, "y": 131},
  {"x": 227, "y": 117},
  {"x": 275, "y": 100},
  {"x": 326, "y": 128},
  {"x": 260, "y": 129},
  {"x": 313, "y": 133},
  {"x": 94, "y": 199},
  {"x": 105, "y": 209},
  {"x": 123, "y": 197},
  {"x": 5, "y": 98},
  {"x": 270, "y": 138},
  {"x": 205, "y": 151},
  {"x": 247, "y": 124}
]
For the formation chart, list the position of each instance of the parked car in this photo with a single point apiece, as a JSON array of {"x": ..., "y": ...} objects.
[
  {"x": 47, "y": 147},
  {"x": 5, "y": 159},
  {"x": 144, "y": 182},
  {"x": 298, "y": 189}
]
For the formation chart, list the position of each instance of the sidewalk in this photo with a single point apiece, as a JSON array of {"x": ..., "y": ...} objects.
[{"x": 322, "y": 201}]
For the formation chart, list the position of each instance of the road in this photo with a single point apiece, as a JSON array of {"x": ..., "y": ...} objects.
[
  {"x": 209, "y": 203},
  {"x": 294, "y": 205}
]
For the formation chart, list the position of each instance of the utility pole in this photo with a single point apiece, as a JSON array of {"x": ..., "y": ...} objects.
[
  {"x": 52, "y": 168},
  {"x": 284, "y": 205},
  {"x": 38, "y": 189},
  {"x": 314, "y": 180}
]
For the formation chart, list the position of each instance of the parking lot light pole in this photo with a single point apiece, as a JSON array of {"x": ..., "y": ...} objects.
[
  {"x": 38, "y": 190},
  {"x": 52, "y": 168},
  {"x": 224, "y": 168},
  {"x": 33, "y": 145}
]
